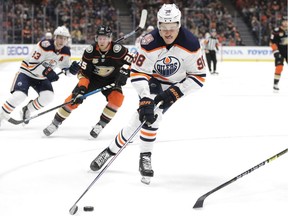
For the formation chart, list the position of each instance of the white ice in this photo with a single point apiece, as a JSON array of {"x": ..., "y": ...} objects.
[{"x": 234, "y": 123}]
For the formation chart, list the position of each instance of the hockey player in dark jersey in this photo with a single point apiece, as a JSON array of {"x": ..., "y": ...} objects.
[
  {"x": 279, "y": 45},
  {"x": 37, "y": 71},
  {"x": 103, "y": 63},
  {"x": 169, "y": 65}
]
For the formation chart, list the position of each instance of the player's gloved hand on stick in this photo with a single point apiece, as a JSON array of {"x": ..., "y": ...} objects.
[
  {"x": 74, "y": 68},
  {"x": 50, "y": 74},
  {"x": 146, "y": 110},
  {"x": 168, "y": 97},
  {"x": 122, "y": 76},
  {"x": 77, "y": 94}
]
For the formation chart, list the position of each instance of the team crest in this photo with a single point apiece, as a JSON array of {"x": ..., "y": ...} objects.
[
  {"x": 117, "y": 48},
  {"x": 49, "y": 63},
  {"x": 146, "y": 39},
  {"x": 45, "y": 43},
  {"x": 167, "y": 66},
  {"x": 89, "y": 49}
]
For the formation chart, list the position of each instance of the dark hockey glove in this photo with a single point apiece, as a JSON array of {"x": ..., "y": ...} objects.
[
  {"x": 146, "y": 110},
  {"x": 74, "y": 68},
  {"x": 168, "y": 97},
  {"x": 78, "y": 93},
  {"x": 122, "y": 76},
  {"x": 50, "y": 74},
  {"x": 278, "y": 57}
]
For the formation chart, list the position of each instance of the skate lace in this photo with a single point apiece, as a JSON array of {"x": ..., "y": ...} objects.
[
  {"x": 51, "y": 128},
  {"x": 97, "y": 129},
  {"x": 102, "y": 158},
  {"x": 146, "y": 162}
]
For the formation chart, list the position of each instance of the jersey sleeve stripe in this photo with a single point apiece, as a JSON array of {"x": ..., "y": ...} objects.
[
  {"x": 196, "y": 81},
  {"x": 139, "y": 75},
  {"x": 200, "y": 78}
]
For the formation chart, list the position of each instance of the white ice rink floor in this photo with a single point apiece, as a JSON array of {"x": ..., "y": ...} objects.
[{"x": 206, "y": 139}]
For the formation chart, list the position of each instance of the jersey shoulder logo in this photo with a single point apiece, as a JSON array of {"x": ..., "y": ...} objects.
[
  {"x": 45, "y": 43},
  {"x": 89, "y": 49},
  {"x": 117, "y": 48},
  {"x": 147, "y": 39},
  {"x": 167, "y": 66}
]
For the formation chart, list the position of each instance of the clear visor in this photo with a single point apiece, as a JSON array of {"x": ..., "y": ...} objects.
[
  {"x": 169, "y": 26},
  {"x": 102, "y": 38}
]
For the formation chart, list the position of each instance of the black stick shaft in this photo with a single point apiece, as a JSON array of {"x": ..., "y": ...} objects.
[
  {"x": 16, "y": 122},
  {"x": 200, "y": 201}
]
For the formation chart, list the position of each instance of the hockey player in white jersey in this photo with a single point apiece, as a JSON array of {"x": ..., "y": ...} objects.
[
  {"x": 169, "y": 66},
  {"x": 37, "y": 71}
]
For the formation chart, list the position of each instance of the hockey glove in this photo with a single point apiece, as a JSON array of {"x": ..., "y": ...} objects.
[
  {"x": 146, "y": 111},
  {"x": 50, "y": 74},
  {"x": 74, "y": 68},
  {"x": 278, "y": 58},
  {"x": 168, "y": 97},
  {"x": 122, "y": 77},
  {"x": 77, "y": 94}
]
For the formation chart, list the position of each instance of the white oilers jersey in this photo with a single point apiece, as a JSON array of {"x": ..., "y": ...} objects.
[
  {"x": 180, "y": 63},
  {"x": 44, "y": 53}
]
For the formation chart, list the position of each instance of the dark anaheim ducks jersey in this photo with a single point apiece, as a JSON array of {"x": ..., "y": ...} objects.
[
  {"x": 279, "y": 40},
  {"x": 45, "y": 51},
  {"x": 180, "y": 63},
  {"x": 104, "y": 66}
]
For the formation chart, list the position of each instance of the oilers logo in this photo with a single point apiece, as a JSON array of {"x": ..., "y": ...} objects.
[{"x": 167, "y": 66}]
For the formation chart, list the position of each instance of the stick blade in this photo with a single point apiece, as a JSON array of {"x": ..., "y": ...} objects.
[
  {"x": 143, "y": 18},
  {"x": 199, "y": 203},
  {"x": 14, "y": 121},
  {"x": 73, "y": 209}
]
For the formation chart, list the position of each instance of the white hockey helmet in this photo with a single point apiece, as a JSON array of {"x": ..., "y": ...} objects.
[
  {"x": 169, "y": 13},
  {"x": 48, "y": 35},
  {"x": 62, "y": 30}
]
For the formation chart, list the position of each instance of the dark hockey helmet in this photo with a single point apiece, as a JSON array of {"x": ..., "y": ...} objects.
[{"x": 103, "y": 30}]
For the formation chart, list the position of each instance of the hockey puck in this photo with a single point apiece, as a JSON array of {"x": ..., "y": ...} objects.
[{"x": 88, "y": 208}]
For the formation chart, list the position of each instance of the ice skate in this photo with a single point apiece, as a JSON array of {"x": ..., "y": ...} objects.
[
  {"x": 50, "y": 129},
  {"x": 276, "y": 88},
  {"x": 25, "y": 114},
  {"x": 96, "y": 130},
  {"x": 101, "y": 159},
  {"x": 145, "y": 167}
]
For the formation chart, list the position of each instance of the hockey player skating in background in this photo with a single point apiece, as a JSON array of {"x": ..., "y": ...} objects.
[
  {"x": 103, "y": 63},
  {"x": 211, "y": 47},
  {"x": 37, "y": 71},
  {"x": 169, "y": 65},
  {"x": 279, "y": 45}
]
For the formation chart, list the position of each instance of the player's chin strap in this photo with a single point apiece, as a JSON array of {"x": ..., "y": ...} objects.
[{"x": 16, "y": 122}]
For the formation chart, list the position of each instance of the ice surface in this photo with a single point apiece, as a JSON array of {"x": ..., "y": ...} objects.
[{"x": 206, "y": 139}]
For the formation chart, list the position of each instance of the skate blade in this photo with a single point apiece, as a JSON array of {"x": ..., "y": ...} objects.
[{"x": 146, "y": 180}]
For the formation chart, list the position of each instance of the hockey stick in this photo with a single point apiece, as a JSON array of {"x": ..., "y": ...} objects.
[
  {"x": 139, "y": 27},
  {"x": 16, "y": 122},
  {"x": 200, "y": 201},
  {"x": 74, "y": 208}
]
